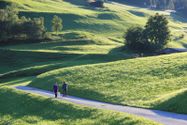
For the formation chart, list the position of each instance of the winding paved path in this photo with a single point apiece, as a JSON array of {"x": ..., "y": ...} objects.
[{"x": 165, "y": 118}]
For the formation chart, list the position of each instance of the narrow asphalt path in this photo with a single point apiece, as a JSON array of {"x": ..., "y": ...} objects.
[{"x": 165, "y": 118}]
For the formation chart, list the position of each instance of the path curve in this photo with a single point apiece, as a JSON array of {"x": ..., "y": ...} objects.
[{"x": 165, "y": 118}]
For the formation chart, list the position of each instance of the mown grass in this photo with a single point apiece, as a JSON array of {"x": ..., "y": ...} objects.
[
  {"x": 20, "y": 108},
  {"x": 136, "y": 82}
]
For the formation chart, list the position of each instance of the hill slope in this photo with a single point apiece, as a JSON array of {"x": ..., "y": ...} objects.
[
  {"x": 152, "y": 82},
  {"x": 31, "y": 109},
  {"x": 135, "y": 82},
  {"x": 104, "y": 25}
]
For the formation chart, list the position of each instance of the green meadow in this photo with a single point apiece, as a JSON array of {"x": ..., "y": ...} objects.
[
  {"x": 102, "y": 25},
  {"x": 142, "y": 82},
  {"x": 20, "y": 108},
  {"x": 90, "y": 55}
]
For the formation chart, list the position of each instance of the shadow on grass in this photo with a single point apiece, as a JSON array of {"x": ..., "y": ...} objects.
[
  {"x": 78, "y": 91},
  {"x": 14, "y": 81},
  {"x": 68, "y": 19},
  {"x": 4, "y": 4},
  {"x": 108, "y": 16},
  {"x": 177, "y": 103},
  {"x": 20, "y": 61},
  {"x": 185, "y": 45},
  {"x": 72, "y": 22},
  {"x": 137, "y": 13},
  {"x": 178, "y": 17},
  {"x": 27, "y": 108},
  {"x": 47, "y": 109},
  {"x": 77, "y": 2}
]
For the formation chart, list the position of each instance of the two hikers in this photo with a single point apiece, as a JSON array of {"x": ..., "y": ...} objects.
[{"x": 64, "y": 89}]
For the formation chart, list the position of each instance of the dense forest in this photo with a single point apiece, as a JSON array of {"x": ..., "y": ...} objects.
[{"x": 178, "y": 5}]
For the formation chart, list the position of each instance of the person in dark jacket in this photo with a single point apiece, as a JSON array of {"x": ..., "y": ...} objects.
[
  {"x": 64, "y": 88},
  {"x": 55, "y": 89}
]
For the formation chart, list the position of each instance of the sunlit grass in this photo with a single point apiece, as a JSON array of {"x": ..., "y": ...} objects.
[
  {"x": 107, "y": 24},
  {"x": 20, "y": 108},
  {"x": 134, "y": 82},
  {"x": 91, "y": 36}
]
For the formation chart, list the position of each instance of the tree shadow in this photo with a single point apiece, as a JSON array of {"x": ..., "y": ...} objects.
[{"x": 124, "y": 53}]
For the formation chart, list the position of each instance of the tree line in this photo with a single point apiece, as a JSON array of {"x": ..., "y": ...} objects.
[{"x": 13, "y": 27}]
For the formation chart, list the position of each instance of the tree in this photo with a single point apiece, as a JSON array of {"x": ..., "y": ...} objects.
[
  {"x": 34, "y": 29},
  {"x": 20, "y": 28},
  {"x": 12, "y": 13},
  {"x": 157, "y": 32},
  {"x": 57, "y": 24},
  {"x": 134, "y": 39},
  {"x": 153, "y": 37}
]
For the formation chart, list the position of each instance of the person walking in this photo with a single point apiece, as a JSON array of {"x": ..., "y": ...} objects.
[
  {"x": 64, "y": 88},
  {"x": 55, "y": 89}
]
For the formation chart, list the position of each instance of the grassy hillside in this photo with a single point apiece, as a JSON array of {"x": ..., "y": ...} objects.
[
  {"x": 20, "y": 108},
  {"x": 175, "y": 101},
  {"x": 90, "y": 36},
  {"x": 36, "y": 58},
  {"x": 105, "y": 25},
  {"x": 96, "y": 33},
  {"x": 136, "y": 82}
]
